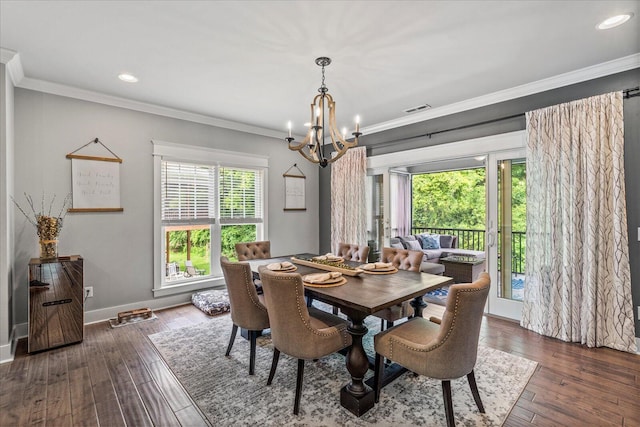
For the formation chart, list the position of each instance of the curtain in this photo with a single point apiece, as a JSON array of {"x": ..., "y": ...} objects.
[
  {"x": 400, "y": 202},
  {"x": 348, "y": 195},
  {"x": 578, "y": 281}
]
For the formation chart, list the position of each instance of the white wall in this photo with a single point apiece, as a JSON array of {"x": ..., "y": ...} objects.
[{"x": 117, "y": 247}]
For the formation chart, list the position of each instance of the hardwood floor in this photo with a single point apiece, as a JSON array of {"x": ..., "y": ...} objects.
[{"x": 115, "y": 377}]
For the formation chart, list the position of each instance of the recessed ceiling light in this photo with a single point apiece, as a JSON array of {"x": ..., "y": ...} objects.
[
  {"x": 129, "y": 78},
  {"x": 614, "y": 21}
]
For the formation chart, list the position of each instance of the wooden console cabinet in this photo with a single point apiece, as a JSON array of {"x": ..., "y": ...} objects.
[{"x": 56, "y": 302}]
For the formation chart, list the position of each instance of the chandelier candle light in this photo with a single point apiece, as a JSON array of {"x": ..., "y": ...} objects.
[{"x": 312, "y": 147}]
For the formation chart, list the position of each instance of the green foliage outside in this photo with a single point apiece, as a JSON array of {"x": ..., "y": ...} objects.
[
  {"x": 453, "y": 199},
  {"x": 230, "y": 235},
  {"x": 519, "y": 197}
]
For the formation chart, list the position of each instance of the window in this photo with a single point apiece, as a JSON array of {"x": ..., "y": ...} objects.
[{"x": 206, "y": 201}]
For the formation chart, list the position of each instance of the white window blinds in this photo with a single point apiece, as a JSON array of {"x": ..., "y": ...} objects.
[
  {"x": 241, "y": 195},
  {"x": 188, "y": 193}
]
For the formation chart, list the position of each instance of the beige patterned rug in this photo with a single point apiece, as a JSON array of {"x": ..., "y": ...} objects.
[{"x": 228, "y": 396}]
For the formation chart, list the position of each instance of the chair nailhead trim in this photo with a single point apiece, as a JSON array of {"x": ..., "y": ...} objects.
[
  {"x": 307, "y": 324},
  {"x": 441, "y": 343}
]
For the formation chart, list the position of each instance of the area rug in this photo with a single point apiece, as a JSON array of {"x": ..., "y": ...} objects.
[{"x": 228, "y": 396}]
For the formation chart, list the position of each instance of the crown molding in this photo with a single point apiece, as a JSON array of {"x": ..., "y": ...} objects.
[
  {"x": 115, "y": 101},
  {"x": 589, "y": 73},
  {"x": 14, "y": 66}
]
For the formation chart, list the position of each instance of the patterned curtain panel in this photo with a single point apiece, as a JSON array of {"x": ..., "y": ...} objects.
[
  {"x": 578, "y": 275},
  {"x": 348, "y": 195},
  {"x": 400, "y": 202}
]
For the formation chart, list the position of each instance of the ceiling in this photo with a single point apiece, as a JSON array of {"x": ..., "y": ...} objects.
[{"x": 252, "y": 62}]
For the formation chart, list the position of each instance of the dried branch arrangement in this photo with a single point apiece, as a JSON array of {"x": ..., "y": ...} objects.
[{"x": 47, "y": 226}]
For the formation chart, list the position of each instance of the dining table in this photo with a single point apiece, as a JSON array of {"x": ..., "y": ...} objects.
[{"x": 363, "y": 295}]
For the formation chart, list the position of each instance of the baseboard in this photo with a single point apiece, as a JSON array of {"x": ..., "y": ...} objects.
[
  {"x": 638, "y": 345},
  {"x": 102, "y": 314},
  {"x": 8, "y": 350}
]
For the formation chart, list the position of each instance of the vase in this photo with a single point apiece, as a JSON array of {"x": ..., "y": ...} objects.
[
  {"x": 48, "y": 230},
  {"x": 48, "y": 249}
]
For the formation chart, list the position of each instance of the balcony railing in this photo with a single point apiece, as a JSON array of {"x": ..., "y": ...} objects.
[{"x": 475, "y": 240}]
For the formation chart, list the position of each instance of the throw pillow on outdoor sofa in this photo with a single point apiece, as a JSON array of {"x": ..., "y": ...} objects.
[
  {"x": 413, "y": 245},
  {"x": 405, "y": 239},
  {"x": 429, "y": 241},
  {"x": 446, "y": 241}
]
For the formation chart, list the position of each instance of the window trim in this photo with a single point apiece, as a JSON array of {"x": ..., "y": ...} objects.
[{"x": 163, "y": 150}]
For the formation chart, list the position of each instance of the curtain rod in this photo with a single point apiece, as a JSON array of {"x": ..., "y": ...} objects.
[{"x": 626, "y": 94}]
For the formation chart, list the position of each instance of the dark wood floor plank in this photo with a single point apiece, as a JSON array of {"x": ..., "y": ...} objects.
[
  {"x": 159, "y": 410},
  {"x": 169, "y": 385},
  {"x": 578, "y": 404},
  {"x": 109, "y": 413},
  {"x": 191, "y": 417},
  {"x": 131, "y": 404},
  {"x": 125, "y": 340},
  {"x": 83, "y": 407},
  {"x": 35, "y": 394}
]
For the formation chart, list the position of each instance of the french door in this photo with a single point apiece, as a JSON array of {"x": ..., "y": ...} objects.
[{"x": 506, "y": 243}]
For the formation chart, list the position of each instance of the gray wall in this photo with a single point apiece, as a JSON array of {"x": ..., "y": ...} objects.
[
  {"x": 117, "y": 247},
  {"x": 417, "y": 135}
]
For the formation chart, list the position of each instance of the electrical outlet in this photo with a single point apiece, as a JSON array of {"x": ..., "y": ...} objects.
[{"x": 88, "y": 292}]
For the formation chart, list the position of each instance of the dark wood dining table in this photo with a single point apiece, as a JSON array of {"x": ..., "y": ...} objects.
[{"x": 358, "y": 298}]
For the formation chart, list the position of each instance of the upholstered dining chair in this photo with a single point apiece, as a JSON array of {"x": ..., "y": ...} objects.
[
  {"x": 253, "y": 250},
  {"x": 402, "y": 259},
  {"x": 350, "y": 252},
  {"x": 305, "y": 333},
  {"x": 445, "y": 348},
  {"x": 246, "y": 251},
  {"x": 248, "y": 310}
]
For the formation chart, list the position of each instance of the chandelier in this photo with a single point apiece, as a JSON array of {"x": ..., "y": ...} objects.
[{"x": 323, "y": 107}]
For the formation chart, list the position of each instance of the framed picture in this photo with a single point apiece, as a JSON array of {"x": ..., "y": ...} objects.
[
  {"x": 294, "y": 191},
  {"x": 95, "y": 181}
]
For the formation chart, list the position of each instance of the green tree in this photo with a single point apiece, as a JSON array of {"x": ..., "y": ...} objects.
[
  {"x": 232, "y": 234},
  {"x": 453, "y": 199}
]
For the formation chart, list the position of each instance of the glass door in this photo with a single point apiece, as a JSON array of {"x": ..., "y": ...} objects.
[
  {"x": 375, "y": 217},
  {"x": 506, "y": 219}
]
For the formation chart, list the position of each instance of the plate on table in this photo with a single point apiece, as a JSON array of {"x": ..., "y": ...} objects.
[
  {"x": 383, "y": 268},
  {"x": 340, "y": 281},
  {"x": 330, "y": 279},
  {"x": 282, "y": 267},
  {"x": 388, "y": 271}
]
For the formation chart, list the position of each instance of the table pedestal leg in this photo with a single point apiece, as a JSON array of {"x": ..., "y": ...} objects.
[
  {"x": 356, "y": 396},
  {"x": 418, "y": 304}
]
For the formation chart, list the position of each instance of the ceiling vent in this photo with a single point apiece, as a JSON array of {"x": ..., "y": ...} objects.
[{"x": 418, "y": 108}]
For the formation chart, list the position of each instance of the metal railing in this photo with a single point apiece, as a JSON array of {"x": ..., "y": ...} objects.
[{"x": 473, "y": 239}]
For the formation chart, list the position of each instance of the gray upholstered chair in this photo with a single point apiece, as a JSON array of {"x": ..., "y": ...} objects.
[
  {"x": 443, "y": 349},
  {"x": 305, "y": 333},
  {"x": 402, "y": 259},
  {"x": 248, "y": 310},
  {"x": 253, "y": 250},
  {"x": 357, "y": 253}
]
